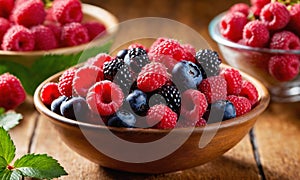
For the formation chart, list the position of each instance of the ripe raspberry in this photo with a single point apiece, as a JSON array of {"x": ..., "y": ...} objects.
[
  {"x": 29, "y": 13},
  {"x": 233, "y": 79},
  {"x": 73, "y": 34},
  {"x": 189, "y": 49},
  {"x": 4, "y": 26},
  {"x": 95, "y": 29},
  {"x": 285, "y": 40},
  {"x": 12, "y": 92},
  {"x": 284, "y": 67},
  {"x": 249, "y": 91},
  {"x": 157, "y": 42},
  {"x": 65, "y": 82},
  {"x": 232, "y": 24},
  {"x": 214, "y": 88},
  {"x": 257, "y": 5},
  {"x": 138, "y": 45},
  {"x": 152, "y": 77},
  {"x": 294, "y": 23},
  {"x": 185, "y": 123},
  {"x": 6, "y": 7},
  {"x": 49, "y": 93},
  {"x": 161, "y": 117},
  {"x": 275, "y": 16},
  {"x": 56, "y": 29},
  {"x": 256, "y": 34},
  {"x": 105, "y": 98},
  {"x": 18, "y": 38},
  {"x": 209, "y": 62},
  {"x": 242, "y": 105},
  {"x": 67, "y": 11},
  {"x": 240, "y": 7},
  {"x": 84, "y": 78},
  {"x": 44, "y": 38},
  {"x": 99, "y": 61}
]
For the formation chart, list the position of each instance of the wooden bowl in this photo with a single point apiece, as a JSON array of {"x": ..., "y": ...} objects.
[{"x": 227, "y": 134}]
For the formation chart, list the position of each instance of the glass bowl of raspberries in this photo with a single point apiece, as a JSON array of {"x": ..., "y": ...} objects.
[
  {"x": 156, "y": 109},
  {"x": 262, "y": 39}
]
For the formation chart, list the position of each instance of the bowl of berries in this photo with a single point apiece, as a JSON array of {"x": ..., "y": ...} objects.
[
  {"x": 50, "y": 35},
  {"x": 149, "y": 110},
  {"x": 263, "y": 40}
]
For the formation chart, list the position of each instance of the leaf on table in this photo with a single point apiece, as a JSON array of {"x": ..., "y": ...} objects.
[
  {"x": 10, "y": 119},
  {"x": 10, "y": 175},
  {"x": 7, "y": 147}
]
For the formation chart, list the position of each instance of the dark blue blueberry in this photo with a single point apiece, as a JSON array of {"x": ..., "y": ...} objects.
[
  {"x": 186, "y": 75},
  {"x": 122, "y": 118},
  {"x": 219, "y": 111},
  {"x": 138, "y": 102},
  {"x": 122, "y": 53},
  {"x": 74, "y": 108},
  {"x": 55, "y": 105}
]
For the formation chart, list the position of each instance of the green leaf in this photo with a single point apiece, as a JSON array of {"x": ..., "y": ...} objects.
[
  {"x": 10, "y": 119},
  {"x": 3, "y": 164},
  {"x": 10, "y": 175},
  {"x": 7, "y": 147},
  {"x": 2, "y": 110},
  {"x": 39, "y": 166}
]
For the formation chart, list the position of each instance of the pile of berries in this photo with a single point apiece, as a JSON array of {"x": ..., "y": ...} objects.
[
  {"x": 267, "y": 24},
  {"x": 27, "y": 25},
  {"x": 166, "y": 86}
]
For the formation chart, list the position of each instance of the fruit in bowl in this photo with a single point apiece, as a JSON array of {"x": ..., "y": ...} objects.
[
  {"x": 156, "y": 103},
  {"x": 263, "y": 40}
]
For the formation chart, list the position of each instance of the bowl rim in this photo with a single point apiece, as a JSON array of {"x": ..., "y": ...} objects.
[
  {"x": 213, "y": 29},
  {"x": 264, "y": 99},
  {"x": 107, "y": 18}
]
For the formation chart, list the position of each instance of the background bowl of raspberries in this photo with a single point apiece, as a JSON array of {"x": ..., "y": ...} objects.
[
  {"x": 262, "y": 39},
  {"x": 40, "y": 38},
  {"x": 160, "y": 109}
]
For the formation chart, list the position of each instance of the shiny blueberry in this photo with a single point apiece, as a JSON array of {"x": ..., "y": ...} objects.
[
  {"x": 122, "y": 53},
  {"x": 55, "y": 105},
  {"x": 219, "y": 111},
  {"x": 74, "y": 108},
  {"x": 122, "y": 118},
  {"x": 138, "y": 102}
]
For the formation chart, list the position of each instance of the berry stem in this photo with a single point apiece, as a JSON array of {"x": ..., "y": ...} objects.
[{"x": 9, "y": 167}]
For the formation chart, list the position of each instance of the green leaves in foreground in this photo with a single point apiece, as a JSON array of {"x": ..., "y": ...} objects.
[
  {"x": 9, "y": 119},
  {"x": 39, "y": 166}
]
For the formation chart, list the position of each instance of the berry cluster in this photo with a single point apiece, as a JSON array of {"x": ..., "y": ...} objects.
[
  {"x": 267, "y": 24},
  {"x": 164, "y": 87},
  {"x": 31, "y": 25}
]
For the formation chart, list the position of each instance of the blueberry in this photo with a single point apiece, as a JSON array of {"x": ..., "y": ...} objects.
[
  {"x": 122, "y": 118},
  {"x": 122, "y": 53},
  {"x": 220, "y": 110},
  {"x": 138, "y": 102},
  {"x": 186, "y": 75},
  {"x": 74, "y": 108},
  {"x": 55, "y": 105}
]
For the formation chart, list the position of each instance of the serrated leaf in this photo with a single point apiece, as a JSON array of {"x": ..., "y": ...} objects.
[
  {"x": 10, "y": 175},
  {"x": 7, "y": 147},
  {"x": 10, "y": 119},
  {"x": 39, "y": 166},
  {"x": 3, "y": 164}
]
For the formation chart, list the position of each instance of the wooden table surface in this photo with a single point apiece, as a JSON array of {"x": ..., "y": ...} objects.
[{"x": 272, "y": 152}]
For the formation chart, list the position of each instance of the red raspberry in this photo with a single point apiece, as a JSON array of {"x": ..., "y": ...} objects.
[
  {"x": 99, "y": 61},
  {"x": 201, "y": 122},
  {"x": 256, "y": 34},
  {"x": 233, "y": 79},
  {"x": 188, "y": 48},
  {"x": 157, "y": 42},
  {"x": 105, "y": 98},
  {"x": 232, "y": 24},
  {"x": 275, "y": 16},
  {"x": 138, "y": 45},
  {"x": 12, "y": 92},
  {"x": 294, "y": 23},
  {"x": 18, "y": 38},
  {"x": 95, "y": 29},
  {"x": 86, "y": 77},
  {"x": 4, "y": 26},
  {"x": 6, "y": 7},
  {"x": 152, "y": 77},
  {"x": 74, "y": 34},
  {"x": 49, "y": 93},
  {"x": 29, "y": 13},
  {"x": 214, "y": 88},
  {"x": 56, "y": 29},
  {"x": 249, "y": 91},
  {"x": 240, "y": 7},
  {"x": 67, "y": 11},
  {"x": 44, "y": 38},
  {"x": 161, "y": 117},
  {"x": 257, "y": 5},
  {"x": 65, "y": 82},
  {"x": 285, "y": 40},
  {"x": 284, "y": 67},
  {"x": 185, "y": 124},
  {"x": 194, "y": 105},
  {"x": 242, "y": 105}
]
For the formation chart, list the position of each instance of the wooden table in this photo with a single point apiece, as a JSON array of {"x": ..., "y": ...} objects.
[{"x": 276, "y": 134}]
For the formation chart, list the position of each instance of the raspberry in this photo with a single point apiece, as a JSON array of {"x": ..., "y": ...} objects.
[
  {"x": 242, "y": 105},
  {"x": 136, "y": 58},
  {"x": 233, "y": 79},
  {"x": 285, "y": 40},
  {"x": 255, "y": 34},
  {"x": 161, "y": 117},
  {"x": 209, "y": 61},
  {"x": 99, "y": 61},
  {"x": 73, "y": 34},
  {"x": 49, "y": 93},
  {"x": 284, "y": 67},
  {"x": 95, "y": 29},
  {"x": 194, "y": 105},
  {"x": 189, "y": 49},
  {"x": 105, "y": 98},
  {"x": 240, "y": 7},
  {"x": 201, "y": 122},
  {"x": 84, "y": 78},
  {"x": 275, "y": 16},
  {"x": 6, "y": 7},
  {"x": 67, "y": 11},
  {"x": 12, "y": 92},
  {"x": 171, "y": 96},
  {"x": 18, "y": 38},
  {"x": 65, "y": 82},
  {"x": 56, "y": 29},
  {"x": 138, "y": 45},
  {"x": 232, "y": 24},
  {"x": 294, "y": 23},
  {"x": 152, "y": 77},
  {"x": 44, "y": 38},
  {"x": 249, "y": 91},
  {"x": 4, "y": 26},
  {"x": 214, "y": 88},
  {"x": 29, "y": 13},
  {"x": 257, "y": 5}
]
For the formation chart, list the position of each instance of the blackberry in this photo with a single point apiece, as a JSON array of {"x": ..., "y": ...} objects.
[
  {"x": 136, "y": 58},
  {"x": 209, "y": 62},
  {"x": 111, "y": 68},
  {"x": 124, "y": 78}
]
